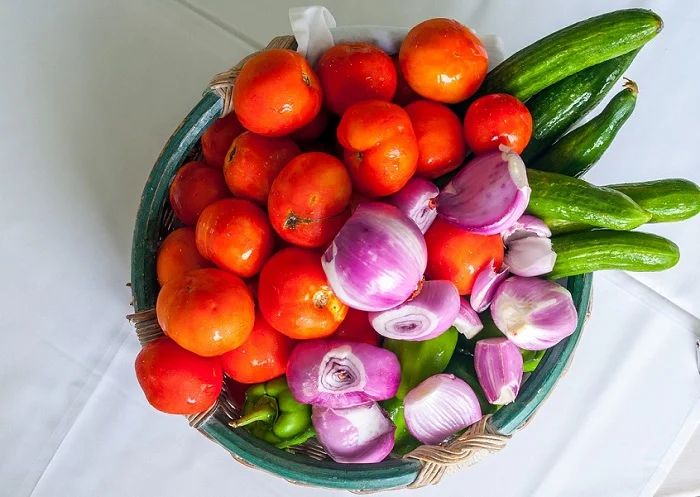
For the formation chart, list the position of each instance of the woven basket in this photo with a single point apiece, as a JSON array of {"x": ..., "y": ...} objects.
[{"x": 309, "y": 464}]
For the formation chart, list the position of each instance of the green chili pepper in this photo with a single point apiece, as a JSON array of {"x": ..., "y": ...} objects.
[
  {"x": 271, "y": 414},
  {"x": 420, "y": 360},
  {"x": 462, "y": 366}
]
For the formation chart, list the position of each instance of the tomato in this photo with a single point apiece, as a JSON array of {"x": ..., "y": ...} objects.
[
  {"x": 262, "y": 356},
  {"x": 443, "y": 60},
  {"x": 195, "y": 187},
  {"x": 404, "y": 93},
  {"x": 235, "y": 235},
  {"x": 458, "y": 256},
  {"x": 178, "y": 254},
  {"x": 253, "y": 162},
  {"x": 497, "y": 119},
  {"x": 206, "y": 311},
  {"x": 440, "y": 138},
  {"x": 356, "y": 328},
  {"x": 217, "y": 139},
  {"x": 295, "y": 297},
  {"x": 176, "y": 380}
]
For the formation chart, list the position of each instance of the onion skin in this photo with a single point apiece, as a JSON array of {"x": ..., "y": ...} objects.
[
  {"x": 377, "y": 259},
  {"x": 534, "y": 314},
  {"x": 485, "y": 285},
  {"x": 358, "y": 434},
  {"x": 338, "y": 374},
  {"x": 418, "y": 201},
  {"x": 499, "y": 368},
  {"x": 468, "y": 322},
  {"x": 488, "y": 195},
  {"x": 439, "y": 407},
  {"x": 530, "y": 256},
  {"x": 527, "y": 225},
  {"x": 426, "y": 316}
]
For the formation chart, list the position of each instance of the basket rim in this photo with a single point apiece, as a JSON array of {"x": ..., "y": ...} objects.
[{"x": 391, "y": 473}]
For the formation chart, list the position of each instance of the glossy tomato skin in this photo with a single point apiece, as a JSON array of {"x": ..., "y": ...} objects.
[
  {"x": 295, "y": 297},
  {"x": 497, "y": 119},
  {"x": 253, "y": 162},
  {"x": 380, "y": 147},
  {"x": 217, "y": 139},
  {"x": 195, "y": 187},
  {"x": 175, "y": 380},
  {"x": 206, "y": 311},
  {"x": 440, "y": 138},
  {"x": 404, "y": 93},
  {"x": 458, "y": 256},
  {"x": 309, "y": 198},
  {"x": 276, "y": 93},
  {"x": 262, "y": 357},
  {"x": 312, "y": 131},
  {"x": 356, "y": 328},
  {"x": 236, "y": 235},
  {"x": 178, "y": 254},
  {"x": 354, "y": 72},
  {"x": 443, "y": 60}
]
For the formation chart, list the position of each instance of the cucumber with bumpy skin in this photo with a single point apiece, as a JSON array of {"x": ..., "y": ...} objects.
[
  {"x": 556, "y": 109},
  {"x": 570, "y": 50},
  {"x": 555, "y": 196},
  {"x": 667, "y": 200},
  {"x": 577, "y": 151},
  {"x": 586, "y": 251}
]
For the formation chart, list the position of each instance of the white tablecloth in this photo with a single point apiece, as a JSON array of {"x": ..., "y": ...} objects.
[{"x": 90, "y": 90}]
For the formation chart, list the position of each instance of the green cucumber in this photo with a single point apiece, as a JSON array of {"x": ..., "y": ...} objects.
[
  {"x": 577, "y": 151},
  {"x": 555, "y": 196},
  {"x": 667, "y": 200},
  {"x": 570, "y": 50},
  {"x": 586, "y": 251},
  {"x": 556, "y": 109},
  {"x": 560, "y": 226}
]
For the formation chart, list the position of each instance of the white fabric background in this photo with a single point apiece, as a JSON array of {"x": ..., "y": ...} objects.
[{"x": 90, "y": 90}]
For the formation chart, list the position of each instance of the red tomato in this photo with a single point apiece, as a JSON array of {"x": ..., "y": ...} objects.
[
  {"x": 356, "y": 328},
  {"x": 262, "y": 356},
  {"x": 176, "y": 380},
  {"x": 195, "y": 187},
  {"x": 178, "y": 254},
  {"x": 497, "y": 119},
  {"x": 217, "y": 139},
  {"x": 458, "y": 256},
  {"x": 295, "y": 297}
]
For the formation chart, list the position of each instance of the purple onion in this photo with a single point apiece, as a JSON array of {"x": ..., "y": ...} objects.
[
  {"x": 468, "y": 322},
  {"x": 530, "y": 256},
  {"x": 337, "y": 374},
  {"x": 524, "y": 227},
  {"x": 485, "y": 285},
  {"x": 499, "y": 368},
  {"x": 488, "y": 195},
  {"x": 377, "y": 259},
  {"x": 426, "y": 316},
  {"x": 439, "y": 407},
  {"x": 417, "y": 201},
  {"x": 358, "y": 434},
  {"x": 534, "y": 314}
]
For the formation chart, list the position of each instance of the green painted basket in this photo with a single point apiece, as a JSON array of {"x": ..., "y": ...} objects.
[{"x": 309, "y": 464}]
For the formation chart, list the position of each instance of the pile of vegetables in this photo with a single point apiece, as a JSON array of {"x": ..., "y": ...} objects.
[{"x": 374, "y": 244}]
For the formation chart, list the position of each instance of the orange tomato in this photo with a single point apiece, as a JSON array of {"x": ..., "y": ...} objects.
[
  {"x": 206, "y": 311},
  {"x": 254, "y": 161},
  {"x": 295, "y": 297},
  {"x": 354, "y": 72},
  {"x": 262, "y": 356},
  {"x": 497, "y": 119},
  {"x": 235, "y": 235},
  {"x": 178, "y": 254},
  {"x": 404, "y": 93},
  {"x": 356, "y": 328},
  {"x": 309, "y": 198},
  {"x": 381, "y": 151},
  {"x": 443, "y": 60},
  {"x": 440, "y": 138},
  {"x": 276, "y": 92},
  {"x": 312, "y": 131},
  {"x": 175, "y": 380},
  {"x": 458, "y": 256},
  {"x": 217, "y": 139},
  {"x": 194, "y": 188}
]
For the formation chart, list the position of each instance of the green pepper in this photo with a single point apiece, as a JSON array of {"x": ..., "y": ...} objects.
[
  {"x": 270, "y": 413},
  {"x": 421, "y": 360},
  {"x": 531, "y": 359},
  {"x": 462, "y": 366}
]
